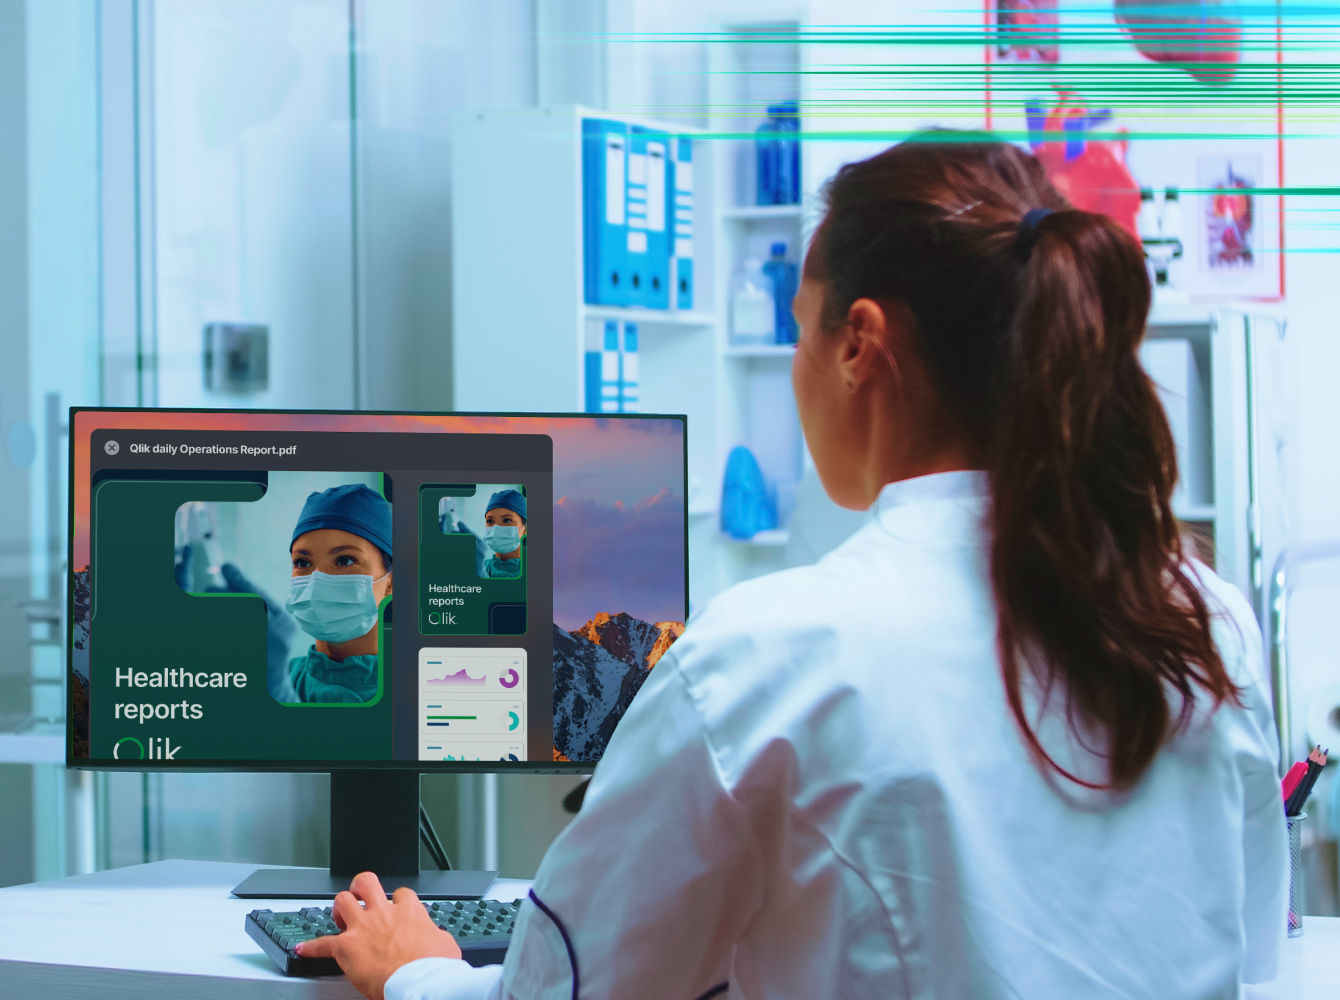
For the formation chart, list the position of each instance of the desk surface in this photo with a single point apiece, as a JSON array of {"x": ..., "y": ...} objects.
[
  {"x": 1311, "y": 967},
  {"x": 117, "y": 934}
]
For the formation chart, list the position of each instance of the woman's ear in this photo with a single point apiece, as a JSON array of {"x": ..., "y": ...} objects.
[
  {"x": 522, "y": 532},
  {"x": 389, "y": 580},
  {"x": 865, "y": 332}
]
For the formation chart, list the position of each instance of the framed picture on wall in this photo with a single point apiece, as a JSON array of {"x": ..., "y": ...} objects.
[{"x": 1026, "y": 30}]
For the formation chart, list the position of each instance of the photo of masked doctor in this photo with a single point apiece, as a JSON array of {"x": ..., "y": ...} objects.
[
  {"x": 504, "y": 528},
  {"x": 341, "y": 554}
]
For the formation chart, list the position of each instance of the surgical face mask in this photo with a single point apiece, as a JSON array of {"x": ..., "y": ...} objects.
[
  {"x": 333, "y": 607},
  {"x": 502, "y": 538}
]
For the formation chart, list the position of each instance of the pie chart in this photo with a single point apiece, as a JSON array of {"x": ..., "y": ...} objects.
[{"x": 510, "y": 678}]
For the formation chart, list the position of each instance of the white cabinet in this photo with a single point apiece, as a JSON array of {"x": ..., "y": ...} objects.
[{"x": 1234, "y": 430}]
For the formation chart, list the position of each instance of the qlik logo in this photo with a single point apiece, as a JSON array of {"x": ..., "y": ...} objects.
[{"x": 160, "y": 748}]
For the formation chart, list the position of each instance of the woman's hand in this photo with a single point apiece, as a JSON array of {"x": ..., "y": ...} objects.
[{"x": 379, "y": 936}]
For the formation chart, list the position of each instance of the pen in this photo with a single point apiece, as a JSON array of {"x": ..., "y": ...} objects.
[
  {"x": 1293, "y": 778},
  {"x": 1316, "y": 762}
]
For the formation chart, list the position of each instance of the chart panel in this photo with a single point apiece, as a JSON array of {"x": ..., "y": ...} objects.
[{"x": 472, "y": 703}]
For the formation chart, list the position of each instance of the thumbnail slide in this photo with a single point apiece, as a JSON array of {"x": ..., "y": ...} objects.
[{"x": 472, "y": 558}]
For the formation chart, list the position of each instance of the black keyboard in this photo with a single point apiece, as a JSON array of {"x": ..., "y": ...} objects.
[{"x": 482, "y": 928}]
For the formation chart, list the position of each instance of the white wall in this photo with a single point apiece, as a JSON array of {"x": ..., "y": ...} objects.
[
  {"x": 1310, "y": 155},
  {"x": 252, "y": 197},
  {"x": 421, "y": 64}
]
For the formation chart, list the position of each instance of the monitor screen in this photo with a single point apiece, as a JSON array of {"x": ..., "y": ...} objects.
[{"x": 309, "y": 590}]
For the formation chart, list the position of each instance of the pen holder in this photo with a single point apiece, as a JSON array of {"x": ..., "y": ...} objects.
[{"x": 1295, "y": 824}]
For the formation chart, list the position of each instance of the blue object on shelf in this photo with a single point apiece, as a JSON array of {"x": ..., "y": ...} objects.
[
  {"x": 680, "y": 210},
  {"x": 648, "y": 230},
  {"x": 787, "y": 117},
  {"x": 592, "y": 400},
  {"x": 784, "y": 275},
  {"x": 629, "y": 399},
  {"x": 604, "y": 211},
  {"x": 778, "y": 155},
  {"x": 766, "y": 155},
  {"x": 746, "y": 507},
  {"x": 604, "y": 373}
]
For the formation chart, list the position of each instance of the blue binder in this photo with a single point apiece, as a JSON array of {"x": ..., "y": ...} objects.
[
  {"x": 604, "y": 373},
  {"x": 629, "y": 395},
  {"x": 648, "y": 225},
  {"x": 611, "y": 370},
  {"x": 604, "y": 211},
  {"x": 680, "y": 209},
  {"x": 591, "y": 404}
]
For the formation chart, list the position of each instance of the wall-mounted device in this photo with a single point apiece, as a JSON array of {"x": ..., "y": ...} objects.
[{"x": 237, "y": 358}]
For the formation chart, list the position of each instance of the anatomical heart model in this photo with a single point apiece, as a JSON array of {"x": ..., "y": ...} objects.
[{"x": 1091, "y": 173}]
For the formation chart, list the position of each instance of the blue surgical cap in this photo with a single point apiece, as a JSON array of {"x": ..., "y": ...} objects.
[
  {"x": 509, "y": 499},
  {"x": 354, "y": 508}
]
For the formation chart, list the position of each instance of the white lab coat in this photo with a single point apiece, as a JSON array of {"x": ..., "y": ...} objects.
[{"x": 820, "y": 792}]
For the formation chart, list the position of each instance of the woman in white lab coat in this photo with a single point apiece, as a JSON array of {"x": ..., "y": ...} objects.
[{"x": 1006, "y": 741}]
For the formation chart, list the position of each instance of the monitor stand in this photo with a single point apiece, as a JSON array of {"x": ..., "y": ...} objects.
[{"x": 374, "y": 826}]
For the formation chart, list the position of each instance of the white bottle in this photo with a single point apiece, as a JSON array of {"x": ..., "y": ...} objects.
[{"x": 753, "y": 315}]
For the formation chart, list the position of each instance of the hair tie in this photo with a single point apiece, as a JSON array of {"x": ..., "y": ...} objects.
[{"x": 1028, "y": 228}]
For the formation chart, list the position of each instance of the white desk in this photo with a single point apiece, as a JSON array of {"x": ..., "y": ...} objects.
[
  {"x": 172, "y": 929},
  {"x": 1311, "y": 965},
  {"x": 168, "y": 929}
]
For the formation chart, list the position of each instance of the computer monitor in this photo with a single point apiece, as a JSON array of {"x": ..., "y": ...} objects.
[{"x": 371, "y": 594}]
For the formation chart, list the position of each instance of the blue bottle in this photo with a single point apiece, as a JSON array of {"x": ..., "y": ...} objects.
[
  {"x": 766, "y": 155},
  {"x": 786, "y": 177},
  {"x": 784, "y": 279}
]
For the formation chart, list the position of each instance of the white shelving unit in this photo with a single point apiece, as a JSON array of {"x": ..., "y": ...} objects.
[
  {"x": 756, "y": 213},
  {"x": 758, "y": 407},
  {"x": 761, "y": 352},
  {"x": 518, "y": 286},
  {"x": 651, "y": 317},
  {"x": 1239, "y": 354}
]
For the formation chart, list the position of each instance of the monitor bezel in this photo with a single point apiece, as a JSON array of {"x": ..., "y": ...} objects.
[{"x": 324, "y": 766}]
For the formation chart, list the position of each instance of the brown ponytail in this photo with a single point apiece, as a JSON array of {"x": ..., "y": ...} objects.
[{"x": 1031, "y": 332}]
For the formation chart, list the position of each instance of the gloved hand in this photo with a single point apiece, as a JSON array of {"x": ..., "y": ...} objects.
[
  {"x": 280, "y": 628},
  {"x": 482, "y": 552},
  {"x": 182, "y": 565}
]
